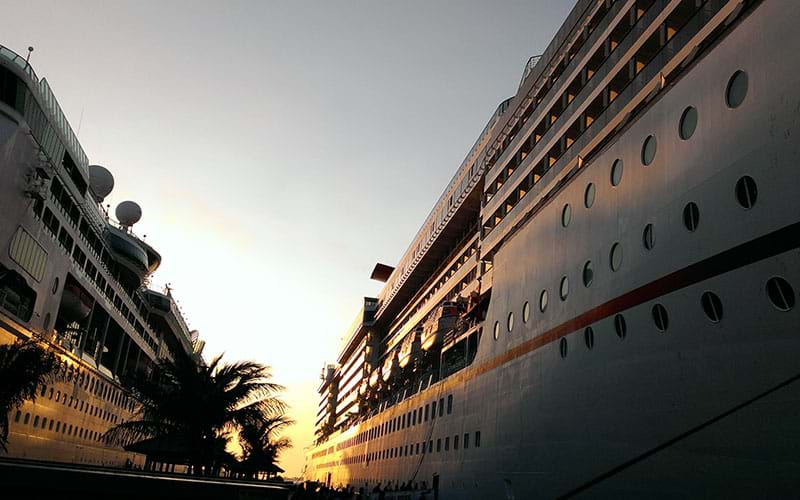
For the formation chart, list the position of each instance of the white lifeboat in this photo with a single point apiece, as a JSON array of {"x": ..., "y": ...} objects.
[
  {"x": 389, "y": 365},
  {"x": 440, "y": 321},
  {"x": 410, "y": 347},
  {"x": 374, "y": 377}
]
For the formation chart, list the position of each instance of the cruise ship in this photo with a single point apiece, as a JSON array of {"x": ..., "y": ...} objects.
[
  {"x": 602, "y": 301},
  {"x": 73, "y": 279}
]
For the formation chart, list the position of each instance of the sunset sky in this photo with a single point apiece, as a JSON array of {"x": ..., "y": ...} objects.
[{"x": 279, "y": 149}]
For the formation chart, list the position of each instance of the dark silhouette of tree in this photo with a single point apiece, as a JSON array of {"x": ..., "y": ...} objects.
[
  {"x": 199, "y": 406},
  {"x": 261, "y": 444},
  {"x": 24, "y": 367}
]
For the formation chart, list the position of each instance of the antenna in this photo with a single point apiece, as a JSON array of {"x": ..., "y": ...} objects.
[{"x": 30, "y": 50}]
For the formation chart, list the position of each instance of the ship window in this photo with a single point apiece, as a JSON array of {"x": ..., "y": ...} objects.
[
  {"x": 55, "y": 285},
  {"x": 44, "y": 422},
  {"x": 58, "y": 426},
  {"x": 648, "y": 237},
  {"x": 616, "y": 172},
  {"x": 447, "y": 443},
  {"x": 780, "y": 293},
  {"x": 427, "y": 408},
  {"x": 589, "y": 195},
  {"x": 588, "y": 273},
  {"x": 449, "y": 404},
  {"x": 566, "y": 215},
  {"x": 477, "y": 439},
  {"x": 543, "y": 301},
  {"x": 712, "y": 306},
  {"x": 588, "y": 337},
  {"x": 746, "y": 192},
  {"x": 691, "y": 216},
  {"x": 660, "y": 317},
  {"x": 433, "y": 410},
  {"x": 27, "y": 418},
  {"x": 510, "y": 322},
  {"x": 441, "y": 407},
  {"x": 737, "y": 89},
  {"x": 430, "y": 446},
  {"x": 688, "y": 123},
  {"x": 43, "y": 391},
  {"x": 616, "y": 257},
  {"x": 496, "y": 330},
  {"x": 620, "y": 327},
  {"x": 562, "y": 348},
  {"x": 564, "y": 288},
  {"x": 438, "y": 445},
  {"x": 417, "y": 452},
  {"x": 466, "y": 440},
  {"x": 18, "y": 416},
  {"x": 648, "y": 150},
  {"x": 526, "y": 312},
  {"x": 36, "y": 421}
]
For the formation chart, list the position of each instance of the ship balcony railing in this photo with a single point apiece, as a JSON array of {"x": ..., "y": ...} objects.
[{"x": 19, "y": 61}]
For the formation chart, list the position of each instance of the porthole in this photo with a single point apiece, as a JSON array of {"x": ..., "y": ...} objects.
[
  {"x": 712, "y": 306},
  {"x": 543, "y": 300},
  {"x": 780, "y": 293},
  {"x": 496, "y": 330},
  {"x": 526, "y": 312},
  {"x": 588, "y": 196},
  {"x": 746, "y": 192},
  {"x": 588, "y": 337},
  {"x": 566, "y": 215},
  {"x": 588, "y": 273},
  {"x": 649, "y": 150},
  {"x": 615, "y": 257},
  {"x": 648, "y": 237},
  {"x": 691, "y": 216},
  {"x": 616, "y": 172},
  {"x": 620, "y": 327},
  {"x": 737, "y": 89},
  {"x": 46, "y": 323},
  {"x": 688, "y": 123},
  {"x": 660, "y": 317},
  {"x": 563, "y": 289},
  {"x": 562, "y": 347},
  {"x": 510, "y": 322}
]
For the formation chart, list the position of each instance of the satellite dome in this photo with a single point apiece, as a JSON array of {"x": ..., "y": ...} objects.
[
  {"x": 128, "y": 213},
  {"x": 101, "y": 181}
]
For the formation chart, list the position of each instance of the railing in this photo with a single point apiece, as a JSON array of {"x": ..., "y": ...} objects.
[
  {"x": 19, "y": 61},
  {"x": 74, "y": 147},
  {"x": 532, "y": 62}
]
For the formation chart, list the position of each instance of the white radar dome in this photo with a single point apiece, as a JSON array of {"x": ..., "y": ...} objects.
[
  {"x": 128, "y": 213},
  {"x": 101, "y": 181}
]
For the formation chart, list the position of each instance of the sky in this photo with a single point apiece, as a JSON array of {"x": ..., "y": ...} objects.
[{"x": 279, "y": 149}]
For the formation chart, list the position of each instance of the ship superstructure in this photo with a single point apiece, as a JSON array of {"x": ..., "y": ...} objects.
[
  {"x": 603, "y": 299},
  {"x": 74, "y": 279}
]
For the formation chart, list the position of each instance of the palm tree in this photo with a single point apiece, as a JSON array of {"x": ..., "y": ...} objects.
[
  {"x": 198, "y": 406},
  {"x": 24, "y": 367},
  {"x": 261, "y": 445}
]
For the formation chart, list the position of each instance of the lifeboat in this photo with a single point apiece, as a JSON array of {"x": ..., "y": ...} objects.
[
  {"x": 374, "y": 377},
  {"x": 441, "y": 320},
  {"x": 362, "y": 388},
  {"x": 76, "y": 303},
  {"x": 389, "y": 365},
  {"x": 410, "y": 347}
]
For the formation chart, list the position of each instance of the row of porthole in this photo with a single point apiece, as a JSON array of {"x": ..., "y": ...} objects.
[
  {"x": 746, "y": 194},
  {"x": 779, "y": 292},
  {"x": 734, "y": 96}
]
